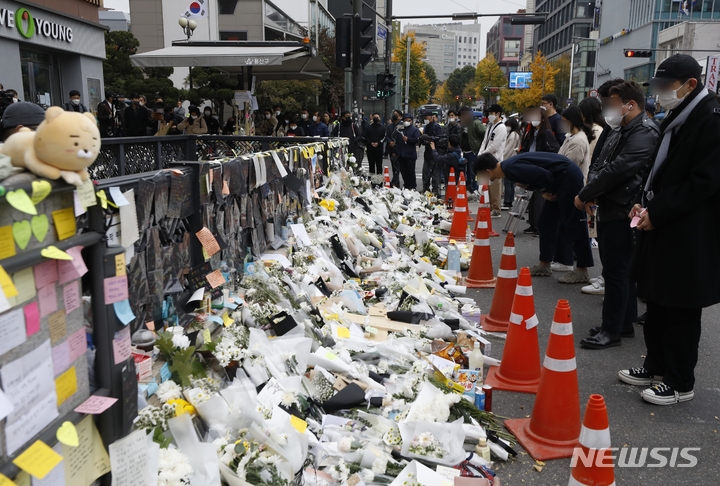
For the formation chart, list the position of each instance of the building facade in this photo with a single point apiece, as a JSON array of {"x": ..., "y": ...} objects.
[
  {"x": 567, "y": 19},
  {"x": 690, "y": 38},
  {"x": 636, "y": 24},
  {"x": 448, "y": 46},
  {"x": 506, "y": 42},
  {"x": 114, "y": 20},
  {"x": 52, "y": 50}
]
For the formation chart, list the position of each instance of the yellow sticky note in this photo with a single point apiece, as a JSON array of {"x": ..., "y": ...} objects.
[
  {"x": 41, "y": 189},
  {"x": 55, "y": 253},
  {"x": 298, "y": 423},
  {"x": 343, "y": 332},
  {"x": 8, "y": 287},
  {"x": 227, "y": 320},
  {"x": 7, "y": 244},
  {"x": 104, "y": 200},
  {"x": 120, "y": 266},
  {"x": 205, "y": 254},
  {"x": 67, "y": 434},
  {"x": 330, "y": 356},
  {"x": 64, "y": 222},
  {"x": 38, "y": 460},
  {"x": 6, "y": 481},
  {"x": 206, "y": 336},
  {"x": 21, "y": 201},
  {"x": 65, "y": 386}
]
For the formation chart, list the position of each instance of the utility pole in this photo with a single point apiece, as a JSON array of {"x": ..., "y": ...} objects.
[
  {"x": 388, "y": 54},
  {"x": 407, "y": 75},
  {"x": 357, "y": 70}
]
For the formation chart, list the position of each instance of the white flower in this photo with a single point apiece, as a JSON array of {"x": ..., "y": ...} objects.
[
  {"x": 169, "y": 390},
  {"x": 180, "y": 341},
  {"x": 289, "y": 399},
  {"x": 173, "y": 468},
  {"x": 367, "y": 475},
  {"x": 382, "y": 366},
  {"x": 379, "y": 465},
  {"x": 339, "y": 473},
  {"x": 220, "y": 442},
  {"x": 345, "y": 445}
]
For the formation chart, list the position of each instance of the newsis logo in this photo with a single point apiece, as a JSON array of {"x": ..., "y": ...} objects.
[
  {"x": 28, "y": 25},
  {"x": 636, "y": 457}
]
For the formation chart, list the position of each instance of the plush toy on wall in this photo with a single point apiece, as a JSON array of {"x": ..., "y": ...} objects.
[{"x": 64, "y": 145}]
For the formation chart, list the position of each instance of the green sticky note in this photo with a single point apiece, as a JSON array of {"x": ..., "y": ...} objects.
[
  {"x": 40, "y": 226},
  {"x": 21, "y": 233},
  {"x": 21, "y": 201}
]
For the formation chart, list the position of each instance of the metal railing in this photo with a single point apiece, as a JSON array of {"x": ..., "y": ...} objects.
[{"x": 135, "y": 155}]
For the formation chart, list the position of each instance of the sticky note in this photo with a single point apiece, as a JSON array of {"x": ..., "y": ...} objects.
[
  {"x": 56, "y": 322},
  {"x": 123, "y": 311},
  {"x": 32, "y": 319},
  {"x": 215, "y": 278},
  {"x": 77, "y": 344},
  {"x": 64, "y": 223},
  {"x": 45, "y": 273},
  {"x": 116, "y": 289},
  {"x": 25, "y": 285},
  {"x": 86, "y": 194},
  {"x": 343, "y": 332},
  {"x": 7, "y": 284},
  {"x": 96, "y": 405},
  {"x": 118, "y": 197},
  {"x": 65, "y": 385},
  {"x": 40, "y": 190},
  {"x": 71, "y": 296},
  {"x": 60, "y": 357},
  {"x": 55, "y": 253},
  {"x": 12, "y": 330},
  {"x": 121, "y": 346},
  {"x": 40, "y": 225},
  {"x": 6, "y": 481},
  {"x": 298, "y": 423},
  {"x": 227, "y": 320},
  {"x": 152, "y": 387},
  {"x": 67, "y": 434},
  {"x": 120, "y": 266},
  {"x": 38, "y": 460},
  {"x": 47, "y": 299},
  {"x": 77, "y": 260},
  {"x": 129, "y": 232},
  {"x": 165, "y": 373},
  {"x": 329, "y": 355},
  {"x": 7, "y": 245},
  {"x": 21, "y": 232},
  {"x": 21, "y": 201},
  {"x": 208, "y": 241},
  {"x": 207, "y": 337}
]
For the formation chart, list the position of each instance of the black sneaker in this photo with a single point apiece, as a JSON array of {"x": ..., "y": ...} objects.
[
  {"x": 530, "y": 230},
  {"x": 641, "y": 318},
  {"x": 639, "y": 376},
  {"x": 627, "y": 332},
  {"x": 661, "y": 394}
]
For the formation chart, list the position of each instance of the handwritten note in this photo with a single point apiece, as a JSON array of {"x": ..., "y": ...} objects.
[
  {"x": 128, "y": 221},
  {"x": 12, "y": 330},
  {"x": 77, "y": 260},
  {"x": 64, "y": 222},
  {"x": 89, "y": 460},
  {"x": 38, "y": 460},
  {"x": 71, "y": 296},
  {"x": 24, "y": 283},
  {"x": 129, "y": 460},
  {"x": 6, "y": 407},
  {"x": 86, "y": 194},
  {"x": 215, "y": 278},
  {"x": 208, "y": 241},
  {"x": 56, "y": 322},
  {"x": 118, "y": 196},
  {"x": 66, "y": 271},
  {"x": 7, "y": 244},
  {"x": 61, "y": 358},
  {"x": 120, "y": 266},
  {"x": 77, "y": 344},
  {"x": 32, "y": 319},
  {"x": 116, "y": 289},
  {"x": 96, "y": 405},
  {"x": 45, "y": 273},
  {"x": 47, "y": 299},
  {"x": 121, "y": 346},
  {"x": 66, "y": 385}
]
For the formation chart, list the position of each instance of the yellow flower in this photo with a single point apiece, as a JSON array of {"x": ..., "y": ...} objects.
[{"x": 182, "y": 406}]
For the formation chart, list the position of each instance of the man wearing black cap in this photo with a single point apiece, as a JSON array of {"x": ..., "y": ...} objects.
[
  {"x": 19, "y": 115},
  {"x": 677, "y": 258},
  {"x": 74, "y": 103},
  {"x": 650, "y": 110}
]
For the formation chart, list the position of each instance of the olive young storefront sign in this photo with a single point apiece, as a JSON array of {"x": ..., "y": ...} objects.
[{"x": 28, "y": 25}]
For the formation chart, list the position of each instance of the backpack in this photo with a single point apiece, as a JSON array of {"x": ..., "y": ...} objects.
[{"x": 462, "y": 161}]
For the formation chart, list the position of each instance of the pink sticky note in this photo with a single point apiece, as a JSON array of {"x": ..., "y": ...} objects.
[
  {"x": 121, "y": 346},
  {"x": 32, "y": 319},
  {"x": 47, "y": 299},
  {"x": 77, "y": 343},
  {"x": 77, "y": 260},
  {"x": 45, "y": 273},
  {"x": 61, "y": 358},
  {"x": 96, "y": 405},
  {"x": 116, "y": 289},
  {"x": 71, "y": 296},
  {"x": 66, "y": 271}
]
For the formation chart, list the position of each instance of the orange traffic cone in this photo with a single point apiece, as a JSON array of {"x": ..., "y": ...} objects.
[
  {"x": 519, "y": 368},
  {"x": 451, "y": 190},
  {"x": 553, "y": 429},
  {"x": 387, "y": 177},
  {"x": 458, "y": 230},
  {"x": 592, "y": 463},
  {"x": 485, "y": 207},
  {"x": 498, "y": 319},
  {"x": 481, "y": 268}
]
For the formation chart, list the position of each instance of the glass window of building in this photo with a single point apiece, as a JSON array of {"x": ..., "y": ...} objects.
[
  {"x": 512, "y": 48},
  {"x": 227, "y": 7}
]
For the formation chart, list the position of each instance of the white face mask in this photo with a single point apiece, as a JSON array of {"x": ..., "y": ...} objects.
[
  {"x": 614, "y": 117},
  {"x": 670, "y": 100},
  {"x": 315, "y": 119},
  {"x": 208, "y": 113},
  {"x": 267, "y": 117},
  {"x": 142, "y": 103},
  {"x": 75, "y": 102},
  {"x": 491, "y": 118},
  {"x": 535, "y": 123},
  {"x": 194, "y": 117},
  {"x": 293, "y": 127},
  {"x": 407, "y": 123},
  {"x": 426, "y": 122},
  {"x": 303, "y": 116},
  {"x": 451, "y": 120},
  {"x": 277, "y": 113}
]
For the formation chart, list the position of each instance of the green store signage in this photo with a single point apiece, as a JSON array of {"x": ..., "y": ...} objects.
[{"x": 29, "y": 26}]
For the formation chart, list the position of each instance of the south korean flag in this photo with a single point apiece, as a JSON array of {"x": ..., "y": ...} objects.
[{"x": 196, "y": 10}]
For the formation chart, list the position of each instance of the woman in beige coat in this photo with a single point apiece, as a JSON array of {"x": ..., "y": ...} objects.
[
  {"x": 577, "y": 141},
  {"x": 195, "y": 124}
]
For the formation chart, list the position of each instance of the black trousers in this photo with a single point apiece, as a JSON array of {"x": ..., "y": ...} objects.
[
  {"x": 563, "y": 230},
  {"x": 535, "y": 205},
  {"x": 375, "y": 160},
  {"x": 407, "y": 169},
  {"x": 615, "y": 242},
  {"x": 395, "y": 168},
  {"x": 672, "y": 337}
]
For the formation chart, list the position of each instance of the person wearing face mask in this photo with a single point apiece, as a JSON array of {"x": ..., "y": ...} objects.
[
  {"x": 677, "y": 261},
  {"x": 179, "y": 110},
  {"x": 213, "y": 125},
  {"x": 430, "y": 170},
  {"x": 347, "y": 129},
  {"x": 614, "y": 182},
  {"x": 283, "y": 125},
  {"x": 279, "y": 116},
  {"x": 294, "y": 129},
  {"x": 578, "y": 136},
  {"x": 305, "y": 122},
  {"x": 74, "y": 103},
  {"x": 266, "y": 127},
  {"x": 392, "y": 126},
  {"x": 135, "y": 119},
  {"x": 406, "y": 138},
  {"x": 549, "y": 104},
  {"x": 471, "y": 141},
  {"x": 453, "y": 124},
  {"x": 317, "y": 128},
  {"x": 374, "y": 139},
  {"x": 230, "y": 125},
  {"x": 494, "y": 143},
  {"x": 194, "y": 124}
]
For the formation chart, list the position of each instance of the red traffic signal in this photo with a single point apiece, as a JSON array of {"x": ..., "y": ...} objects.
[{"x": 637, "y": 53}]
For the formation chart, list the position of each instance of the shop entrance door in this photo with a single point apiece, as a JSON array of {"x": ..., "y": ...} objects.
[{"x": 40, "y": 78}]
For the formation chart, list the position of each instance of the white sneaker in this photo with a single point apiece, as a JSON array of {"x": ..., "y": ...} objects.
[
  {"x": 594, "y": 243},
  {"x": 559, "y": 267},
  {"x": 595, "y": 288},
  {"x": 599, "y": 279}
]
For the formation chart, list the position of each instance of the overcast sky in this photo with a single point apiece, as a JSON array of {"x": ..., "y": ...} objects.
[{"x": 424, "y": 7}]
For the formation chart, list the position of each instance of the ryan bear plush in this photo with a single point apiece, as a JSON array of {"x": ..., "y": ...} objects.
[{"x": 64, "y": 145}]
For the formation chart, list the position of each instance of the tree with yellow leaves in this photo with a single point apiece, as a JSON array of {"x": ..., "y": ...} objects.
[
  {"x": 543, "y": 81},
  {"x": 419, "y": 84},
  {"x": 489, "y": 75},
  {"x": 444, "y": 95}
]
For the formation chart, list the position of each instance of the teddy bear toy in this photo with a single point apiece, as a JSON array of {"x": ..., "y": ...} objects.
[{"x": 64, "y": 145}]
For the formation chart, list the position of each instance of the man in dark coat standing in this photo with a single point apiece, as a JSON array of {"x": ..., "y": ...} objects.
[
  {"x": 391, "y": 128},
  {"x": 677, "y": 259},
  {"x": 406, "y": 139},
  {"x": 374, "y": 138}
]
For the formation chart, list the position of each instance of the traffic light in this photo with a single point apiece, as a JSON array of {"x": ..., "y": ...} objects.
[
  {"x": 637, "y": 53},
  {"x": 362, "y": 41},
  {"x": 385, "y": 85},
  {"x": 343, "y": 36}
]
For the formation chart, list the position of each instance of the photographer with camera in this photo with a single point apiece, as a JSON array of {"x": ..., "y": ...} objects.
[
  {"x": 430, "y": 171},
  {"x": 106, "y": 116}
]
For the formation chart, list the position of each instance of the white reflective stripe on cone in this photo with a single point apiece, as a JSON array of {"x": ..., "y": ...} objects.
[
  {"x": 523, "y": 290},
  {"x": 575, "y": 482},
  {"x": 531, "y": 322},
  {"x": 482, "y": 224},
  {"x": 459, "y": 210},
  {"x": 559, "y": 365},
  {"x": 595, "y": 439},
  {"x": 508, "y": 250},
  {"x": 561, "y": 328},
  {"x": 502, "y": 273},
  {"x": 479, "y": 242},
  {"x": 516, "y": 318},
  {"x": 461, "y": 196}
]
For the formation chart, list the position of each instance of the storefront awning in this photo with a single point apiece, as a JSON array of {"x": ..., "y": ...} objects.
[{"x": 288, "y": 60}]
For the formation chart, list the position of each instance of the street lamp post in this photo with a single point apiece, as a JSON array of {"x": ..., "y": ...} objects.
[{"x": 407, "y": 75}]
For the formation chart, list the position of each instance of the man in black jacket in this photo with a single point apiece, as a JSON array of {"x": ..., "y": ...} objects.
[
  {"x": 374, "y": 138},
  {"x": 390, "y": 146},
  {"x": 136, "y": 119},
  {"x": 614, "y": 181},
  {"x": 346, "y": 128},
  {"x": 677, "y": 262},
  {"x": 453, "y": 158},
  {"x": 430, "y": 170},
  {"x": 106, "y": 116}
]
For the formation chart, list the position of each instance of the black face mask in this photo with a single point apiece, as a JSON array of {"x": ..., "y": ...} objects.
[
  {"x": 347, "y": 121},
  {"x": 395, "y": 118},
  {"x": 376, "y": 120}
]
